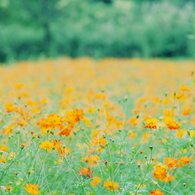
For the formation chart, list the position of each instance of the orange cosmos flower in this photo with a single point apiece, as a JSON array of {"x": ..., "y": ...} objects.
[
  {"x": 186, "y": 111},
  {"x": 161, "y": 173},
  {"x": 61, "y": 149},
  {"x": 180, "y": 133},
  {"x": 32, "y": 189},
  {"x": 110, "y": 185},
  {"x": 157, "y": 192},
  {"x": 179, "y": 95},
  {"x": 51, "y": 122},
  {"x": 168, "y": 178},
  {"x": 8, "y": 130},
  {"x": 10, "y": 107},
  {"x": 151, "y": 123},
  {"x": 171, "y": 162},
  {"x": 100, "y": 141},
  {"x": 184, "y": 88},
  {"x": 66, "y": 130},
  {"x": 100, "y": 96},
  {"x": 134, "y": 121},
  {"x": 91, "y": 160},
  {"x": 4, "y": 148},
  {"x": 169, "y": 112},
  {"x": 74, "y": 116},
  {"x": 96, "y": 180},
  {"x": 46, "y": 145},
  {"x": 185, "y": 160},
  {"x": 172, "y": 124},
  {"x": 85, "y": 171}
]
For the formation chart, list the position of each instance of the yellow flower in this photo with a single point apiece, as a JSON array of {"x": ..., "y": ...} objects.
[
  {"x": 180, "y": 133},
  {"x": 4, "y": 148},
  {"x": 47, "y": 145},
  {"x": 32, "y": 189},
  {"x": 192, "y": 133},
  {"x": 184, "y": 88},
  {"x": 95, "y": 181},
  {"x": 110, "y": 185}
]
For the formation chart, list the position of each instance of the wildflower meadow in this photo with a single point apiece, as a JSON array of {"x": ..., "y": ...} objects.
[{"x": 97, "y": 127}]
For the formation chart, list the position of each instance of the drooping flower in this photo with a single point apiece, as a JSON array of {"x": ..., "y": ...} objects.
[{"x": 32, "y": 189}]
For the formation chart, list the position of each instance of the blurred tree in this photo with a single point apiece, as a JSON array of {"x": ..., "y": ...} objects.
[
  {"x": 42, "y": 13},
  {"x": 104, "y": 1}
]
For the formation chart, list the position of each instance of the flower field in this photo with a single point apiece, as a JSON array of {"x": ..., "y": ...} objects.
[{"x": 107, "y": 127}]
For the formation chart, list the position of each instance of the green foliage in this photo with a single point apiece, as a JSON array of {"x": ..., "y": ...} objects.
[{"x": 96, "y": 28}]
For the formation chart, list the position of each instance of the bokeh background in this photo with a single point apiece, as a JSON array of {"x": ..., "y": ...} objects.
[{"x": 39, "y": 29}]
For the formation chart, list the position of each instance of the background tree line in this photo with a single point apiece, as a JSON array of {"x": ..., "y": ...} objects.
[{"x": 96, "y": 28}]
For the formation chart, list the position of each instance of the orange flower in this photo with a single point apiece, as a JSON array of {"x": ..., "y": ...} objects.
[
  {"x": 161, "y": 173},
  {"x": 100, "y": 141},
  {"x": 157, "y": 192},
  {"x": 91, "y": 160},
  {"x": 8, "y": 130},
  {"x": 61, "y": 149},
  {"x": 179, "y": 95},
  {"x": 180, "y": 133},
  {"x": 168, "y": 178},
  {"x": 110, "y": 185},
  {"x": 184, "y": 88},
  {"x": 185, "y": 160},
  {"x": 186, "y": 111},
  {"x": 171, "y": 162},
  {"x": 4, "y": 148},
  {"x": 151, "y": 123},
  {"x": 96, "y": 180},
  {"x": 10, "y": 107},
  {"x": 74, "y": 116},
  {"x": 145, "y": 137},
  {"x": 32, "y": 189},
  {"x": 172, "y": 124},
  {"x": 51, "y": 122},
  {"x": 85, "y": 171},
  {"x": 134, "y": 121},
  {"x": 66, "y": 130}
]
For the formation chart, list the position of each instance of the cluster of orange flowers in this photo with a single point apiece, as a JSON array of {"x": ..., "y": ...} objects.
[
  {"x": 160, "y": 172},
  {"x": 54, "y": 121}
]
